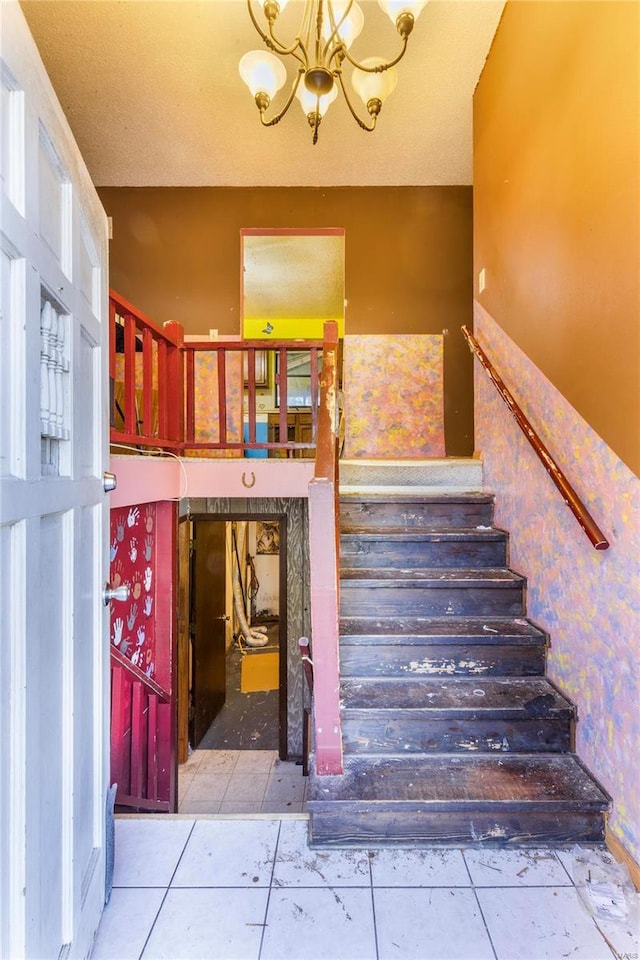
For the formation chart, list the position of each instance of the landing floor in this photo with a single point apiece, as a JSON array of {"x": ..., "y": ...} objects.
[{"x": 249, "y": 887}]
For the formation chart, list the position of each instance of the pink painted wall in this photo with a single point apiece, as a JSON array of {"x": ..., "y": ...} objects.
[
  {"x": 142, "y": 479},
  {"x": 587, "y": 600},
  {"x": 393, "y": 396}
]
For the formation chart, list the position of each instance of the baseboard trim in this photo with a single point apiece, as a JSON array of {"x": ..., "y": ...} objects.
[{"x": 622, "y": 855}]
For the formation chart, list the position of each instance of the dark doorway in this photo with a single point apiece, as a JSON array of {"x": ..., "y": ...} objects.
[
  {"x": 208, "y": 621},
  {"x": 220, "y": 706}
]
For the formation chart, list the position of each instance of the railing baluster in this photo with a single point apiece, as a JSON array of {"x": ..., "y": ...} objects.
[
  {"x": 152, "y": 748},
  {"x": 147, "y": 382},
  {"x": 138, "y": 766},
  {"x": 119, "y": 724},
  {"x": 130, "y": 414},
  {"x": 222, "y": 395},
  {"x": 283, "y": 400},
  {"x": 163, "y": 392},
  {"x": 313, "y": 362},
  {"x": 190, "y": 397},
  {"x": 251, "y": 393}
]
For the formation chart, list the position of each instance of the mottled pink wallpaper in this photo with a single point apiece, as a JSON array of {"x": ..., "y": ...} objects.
[
  {"x": 393, "y": 396},
  {"x": 588, "y": 600},
  {"x": 206, "y": 426}
]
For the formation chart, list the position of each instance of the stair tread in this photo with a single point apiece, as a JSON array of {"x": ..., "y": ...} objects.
[
  {"x": 433, "y": 576},
  {"x": 531, "y": 697},
  {"x": 417, "y": 630},
  {"x": 467, "y": 497},
  {"x": 352, "y": 531},
  {"x": 461, "y": 780}
]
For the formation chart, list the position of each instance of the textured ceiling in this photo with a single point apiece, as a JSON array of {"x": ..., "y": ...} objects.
[{"x": 153, "y": 95}]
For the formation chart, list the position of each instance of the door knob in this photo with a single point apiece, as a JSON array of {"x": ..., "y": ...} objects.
[
  {"x": 109, "y": 481},
  {"x": 222, "y": 618},
  {"x": 110, "y": 593}
]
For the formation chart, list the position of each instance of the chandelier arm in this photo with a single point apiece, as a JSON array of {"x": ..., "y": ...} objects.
[
  {"x": 338, "y": 75},
  {"x": 272, "y": 42},
  {"x": 259, "y": 29},
  {"x": 279, "y": 116},
  {"x": 335, "y": 27},
  {"x": 279, "y": 47},
  {"x": 383, "y": 66}
]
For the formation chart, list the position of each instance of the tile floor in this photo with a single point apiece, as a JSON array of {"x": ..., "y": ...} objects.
[
  {"x": 249, "y": 887},
  {"x": 240, "y": 781}
]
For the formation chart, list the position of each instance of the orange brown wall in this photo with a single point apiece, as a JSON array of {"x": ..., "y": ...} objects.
[
  {"x": 556, "y": 206},
  {"x": 175, "y": 254}
]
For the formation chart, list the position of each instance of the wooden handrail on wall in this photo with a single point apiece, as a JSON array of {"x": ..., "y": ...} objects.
[
  {"x": 324, "y": 567},
  {"x": 569, "y": 495}
]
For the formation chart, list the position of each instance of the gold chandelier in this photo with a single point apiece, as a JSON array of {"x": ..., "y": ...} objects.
[{"x": 320, "y": 48}]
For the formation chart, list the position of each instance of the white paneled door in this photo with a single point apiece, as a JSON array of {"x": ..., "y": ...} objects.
[{"x": 53, "y": 520}]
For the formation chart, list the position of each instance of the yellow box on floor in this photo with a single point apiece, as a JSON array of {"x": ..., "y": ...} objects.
[{"x": 260, "y": 671}]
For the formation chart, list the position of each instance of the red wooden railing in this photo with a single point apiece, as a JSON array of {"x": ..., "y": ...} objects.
[
  {"x": 243, "y": 355},
  {"x": 141, "y": 739},
  {"x": 148, "y": 410},
  {"x": 324, "y": 568},
  {"x": 154, "y": 384},
  {"x": 569, "y": 495}
]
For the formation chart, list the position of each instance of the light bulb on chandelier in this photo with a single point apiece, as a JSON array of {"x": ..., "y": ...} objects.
[{"x": 319, "y": 51}]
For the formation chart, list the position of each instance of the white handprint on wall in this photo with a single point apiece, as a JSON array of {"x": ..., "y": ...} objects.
[
  {"x": 133, "y": 517},
  {"x": 148, "y": 576},
  {"x": 133, "y": 549},
  {"x": 148, "y": 604},
  {"x": 118, "y": 627},
  {"x": 140, "y": 636}
]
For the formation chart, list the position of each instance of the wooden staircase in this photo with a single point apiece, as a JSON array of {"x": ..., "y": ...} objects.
[{"x": 451, "y": 732}]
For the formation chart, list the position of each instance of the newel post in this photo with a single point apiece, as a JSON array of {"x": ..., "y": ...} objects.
[
  {"x": 174, "y": 331},
  {"x": 325, "y": 628}
]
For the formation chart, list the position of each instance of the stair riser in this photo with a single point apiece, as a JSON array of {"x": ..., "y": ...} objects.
[
  {"x": 377, "y": 516},
  {"x": 443, "y": 660},
  {"x": 360, "y": 825},
  {"x": 420, "y": 554},
  {"x": 358, "y": 600},
  {"x": 406, "y": 734}
]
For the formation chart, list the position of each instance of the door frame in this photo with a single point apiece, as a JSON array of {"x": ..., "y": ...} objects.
[
  {"x": 283, "y": 717},
  {"x": 54, "y": 679}
]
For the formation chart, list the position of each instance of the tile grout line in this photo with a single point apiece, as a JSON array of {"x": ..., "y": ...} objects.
[
  {"x": 166, "y": 892},
  {"x": 477, "y": 899},
  {"x": 266, "y": 909},
  {"x": 370, "y": 855}
]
